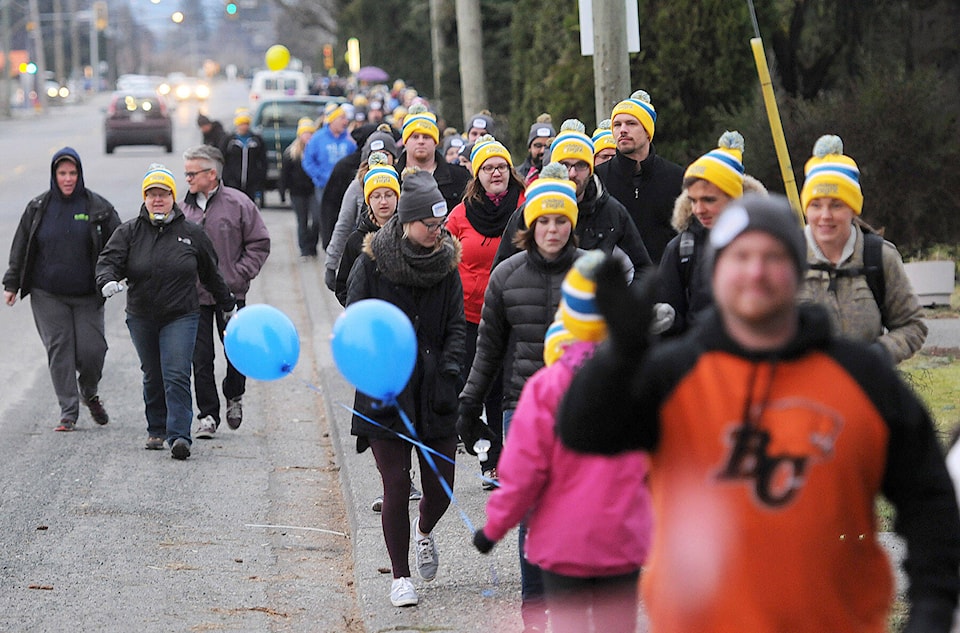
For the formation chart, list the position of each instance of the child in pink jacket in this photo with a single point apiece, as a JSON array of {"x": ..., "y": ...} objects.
[{"x": 589, "y": 517}]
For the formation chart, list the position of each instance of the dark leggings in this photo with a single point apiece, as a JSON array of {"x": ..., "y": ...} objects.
[
  {"x": 393, "y": 462},
  {"x": 609, "y": 601}
]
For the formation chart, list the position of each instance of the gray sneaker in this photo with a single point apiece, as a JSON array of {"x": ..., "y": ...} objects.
[
  {"x": 426, "y": 549},
  {"x": 235, "y": 412},
  {"x": 402, "y": 593},
  {"x": 180, "y": 449},
  {"x": 206, "y": 427}
]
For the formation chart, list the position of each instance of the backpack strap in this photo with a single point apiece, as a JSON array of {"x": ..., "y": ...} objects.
[
  {"x": 872, "y": 270},
  {"x": 687, "y": 247}
]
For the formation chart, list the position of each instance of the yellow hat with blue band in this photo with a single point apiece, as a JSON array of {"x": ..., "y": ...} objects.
[
  {"x": 578, "y": 306},
  {"x": 485, "y": 148},
  {"x": 552, "y": 192},
  {"x": 603, "y": 137},
  {"x": 722, "y": 166},
  {"x": 381, "y": 175},
  {"x": 158, "y": 176},
  {"x": 420, "y": 120},
  {"x": 830, "y": 174},
  {"x": 639, "y": 107}
]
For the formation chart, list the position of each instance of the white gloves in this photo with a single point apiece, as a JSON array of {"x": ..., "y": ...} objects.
[
  {"x": 663, "y": 315},
  {"x": 111, "y": 288}
]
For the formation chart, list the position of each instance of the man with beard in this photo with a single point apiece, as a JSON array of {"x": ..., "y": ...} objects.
[
  {"x": 538, "y": 142},
  {"x": 420, "y": 136}
]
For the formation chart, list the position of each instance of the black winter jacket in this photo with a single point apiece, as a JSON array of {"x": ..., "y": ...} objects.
[
  {"x": 293, "y": 178},
  {"x": 437, "y": 316},
  {"x": 161, "y": 265},
  {"x": 352, "y": 249},
  {"x": 244, "y": 167},
  {"x": 520, "y": 303},
  {"x": 647, "y": 194}
]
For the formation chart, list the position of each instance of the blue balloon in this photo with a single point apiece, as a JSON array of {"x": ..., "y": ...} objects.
[
  {"x": 375, "y": 348},
  {"x": 262, "y": 342}
]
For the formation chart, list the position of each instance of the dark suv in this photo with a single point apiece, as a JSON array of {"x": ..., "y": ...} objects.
[
  {"x": 276, "y": 120},
  {"x": 137, "y": 118}
]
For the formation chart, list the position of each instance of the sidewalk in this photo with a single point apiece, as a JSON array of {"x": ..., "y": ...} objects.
[{"x": 472, "y": 592}]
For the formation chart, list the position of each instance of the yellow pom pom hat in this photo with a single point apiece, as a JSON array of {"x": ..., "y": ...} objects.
[
  {"x": 603, "y": 137},
  {"x": 578, "y": 305},
  {"x": 552, "y": 192},
  {"x": 830, "y": 174},
  {"x": 556, "y": 340},
  {"x": 573, "y": 145},
  {"x": 159, "y": 176},
  {"x": 306, "y": 124},
  {"x": 722, "y": 166},
  {"x": 639, "y": 107},
  {"x": 380, "y": 175},
  {"x": 418, "y": 119},
  {"x": 485, "y": 148},
  {"x": 241, "y": 116}
]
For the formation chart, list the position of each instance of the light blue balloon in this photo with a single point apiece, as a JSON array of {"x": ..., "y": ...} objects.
[
  {"x": 262, "y": 342},
  {"x": 375, "y": 348}
]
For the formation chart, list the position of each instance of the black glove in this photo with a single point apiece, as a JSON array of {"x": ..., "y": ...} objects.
[
  {"x": 926, "y": 615},
  {"x": 628, "y": 310},
  {"x": 470, "y": 427},
  {"x": 330, "y": 279},
  {"x": 445, "y": 392},
  {"x": 482, "y": 543}
]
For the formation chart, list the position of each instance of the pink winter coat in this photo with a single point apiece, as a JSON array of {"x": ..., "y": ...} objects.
[{"x": 586, "y": 515}]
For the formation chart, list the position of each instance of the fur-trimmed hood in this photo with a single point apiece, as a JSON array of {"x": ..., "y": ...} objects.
[{"x": 683, "y": 209}]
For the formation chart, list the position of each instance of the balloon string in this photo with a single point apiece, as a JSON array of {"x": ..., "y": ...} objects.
[{"x": 419, "y": 445}]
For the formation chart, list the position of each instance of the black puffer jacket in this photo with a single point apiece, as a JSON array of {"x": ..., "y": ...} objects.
[
  {"x": 161, "y": 265},
  {"x": 520, "y": 303}
]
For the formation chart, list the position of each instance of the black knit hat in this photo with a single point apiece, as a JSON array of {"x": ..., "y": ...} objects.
[{"x": 770, "y": 214}]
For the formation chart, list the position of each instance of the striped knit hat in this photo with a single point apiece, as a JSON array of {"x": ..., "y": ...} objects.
[
  {"x": 556, "y": 340},
  {"x": 603, "y": 137},
  {"x": 578, "y": 306},
  {"x": 572, "y": 143},
  {"x": 552, "y": 192},
  {"x": 485, "y": 148},
  {"x": 159, "y": 176},
  {"x": 380, "y": 175},
  {"x": 722, "y": 166},
  {"x": 420, "y": 120},
  {"x": 830, "y": 174},
  {"x": 639, "y": 107}
]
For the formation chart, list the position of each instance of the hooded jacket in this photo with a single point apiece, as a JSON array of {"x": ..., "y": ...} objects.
[
  {"x": 352, "y": 249},
  {"x": 542, "y": 481},
  {"x": 686, "y": 286},
  {"x": 765, "y": 467},
  {"x": 647, "y": 194},
  {"x": 161, "y": 264},
  {"x": 235, "y": 227},
  {"x": 91, "y": 209}
]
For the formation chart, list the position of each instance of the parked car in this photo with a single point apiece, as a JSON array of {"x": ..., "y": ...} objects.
[
  {"x": 275, "y": 119},
  {"x": 137, "y": 118}
]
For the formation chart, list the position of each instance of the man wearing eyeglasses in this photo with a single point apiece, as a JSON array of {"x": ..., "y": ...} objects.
[
  {"x": 538, "y": 142},
  {"x": 240, "y": 237},
  {"x": 602, "y": 222}
]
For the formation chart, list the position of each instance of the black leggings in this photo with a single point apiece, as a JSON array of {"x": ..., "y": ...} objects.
[{"x": 393, "y": 462}]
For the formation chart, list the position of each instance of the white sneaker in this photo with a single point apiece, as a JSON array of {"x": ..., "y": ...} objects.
[
  {"x": 426, "y": 550},
  {"x": 206, "y": 427},
  {"x": 402, "y": 593}
]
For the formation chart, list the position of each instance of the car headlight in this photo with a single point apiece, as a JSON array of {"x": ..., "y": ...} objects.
[
  {"x": 64, "y": 92},
  {"x": 52, "y": 92},
  {"x": 183, "y": 92},
  {"x": 203, "y": 91}
]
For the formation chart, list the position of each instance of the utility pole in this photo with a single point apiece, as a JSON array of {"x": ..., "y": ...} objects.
[
  {"x": 59, "y": 68},
  {"x": 7, "y": 69},
  {"x": 470, "y": 37},
  {"x": 436, "y": 45},
  {"x": 611, "y": 61},
  {"x": 41, "y": 76},
  {"x": 75, "y": 72}
]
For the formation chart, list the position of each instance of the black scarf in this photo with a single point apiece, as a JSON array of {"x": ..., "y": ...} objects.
[
  {"x": 488, "y": 219},
  {"x": 407, "y": 264}
]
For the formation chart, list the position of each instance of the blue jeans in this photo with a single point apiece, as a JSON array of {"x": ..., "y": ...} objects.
[
  {"x": 166, "y": 354},
  {"x": 533, "y": 605}
]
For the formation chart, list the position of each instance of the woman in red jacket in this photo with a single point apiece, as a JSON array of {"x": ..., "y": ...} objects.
[{"x": 478, "y": 222}]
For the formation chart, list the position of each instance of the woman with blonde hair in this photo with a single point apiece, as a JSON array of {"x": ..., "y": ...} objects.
[{"x": 294, "y": 179}]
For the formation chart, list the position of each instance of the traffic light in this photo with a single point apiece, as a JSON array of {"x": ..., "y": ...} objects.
[
  {"x": 231, "y": 9},
  {"x": 328, "y": 56},
  {"x": 100, "y": 15},
  {"x": 27, "y": 68}
]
